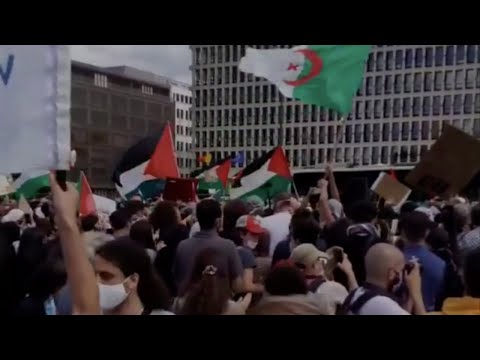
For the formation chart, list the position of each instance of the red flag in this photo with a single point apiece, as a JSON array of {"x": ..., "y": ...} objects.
[
  {"x": 279, "y": 164},
  {"x": 163, "y": 163},
  {"x": 87, "y": 202},
  {"x": 222, "y": 172}
]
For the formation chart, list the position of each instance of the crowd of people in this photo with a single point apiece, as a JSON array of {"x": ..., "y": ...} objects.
[{"x": 301, "y": 257}]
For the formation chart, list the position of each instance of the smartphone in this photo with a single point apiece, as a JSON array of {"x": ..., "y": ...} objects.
[{"x": 337, "y": 255}]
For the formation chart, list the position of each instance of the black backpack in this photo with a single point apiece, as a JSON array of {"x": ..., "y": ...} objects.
[{"x": 354, "y": 307}]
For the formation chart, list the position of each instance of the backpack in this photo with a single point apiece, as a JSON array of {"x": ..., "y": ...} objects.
[{"x": 370, "y": 292}]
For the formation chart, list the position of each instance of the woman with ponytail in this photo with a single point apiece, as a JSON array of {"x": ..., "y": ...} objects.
[{"x": 209, "y": 291}]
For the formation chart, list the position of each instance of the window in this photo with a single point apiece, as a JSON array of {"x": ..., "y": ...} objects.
[
  {"x": 477, "y": 82},
  {"x": 408, "y": 83},
  {"x": 447, "y": 104},
  {"x": 427, "y": 105},
  {"x": 413, "y": 154},
  {"x": 370, "y": 63},
  {"x": 449, "y": 55},
  {"x": 366, "y": 133},
  {"x": 378, "y": 109},
  {"x": 437, "y": 104},
  {"x": 418, "y": 57},
  {"x": 389, "y": 60},
  {"x": 428, "y": 81},
  {"x": 477, "y": 103},
  {"x": 378, "y": 85},
  {"x": 406, "y": 106},
  {"x": 476, "y": 128},
  {"x": 457, "y": 104},
  {"x": 425, "y": 130},
  {"x": 439, "y": 56},
  {"x": 470, "y": 54},
  {"x": 459, "y": 79},
  {"x": 417, "y": 82},
  {"x": 147, "y": 90},
  {"x": 435, "y": 130},
  {"x": 387, "y": 108},
  {"x": 416, "y": 106},
  {"x": 470, "y": 78},
  {"x": 398, "y": 84},
  {"x": 438, "y": 80},
  {"x": 460, "y": 54},
  {"x": 368, "y": 109},
  {"x": 100, "y": 80},
  {"x": 448, "y": 83},
  {"x": 415, "y": 130},
  {"x": 359, "y": 110},
  {"x": 405, "y": 131},
  {"x": 369, "y": 85},
  {"x": 468, "y": 104},
  {"x": 429, "y": 57},
  {"x": 386, "y": 132},
  {"x": 408, "y": 58},
  {"x": 376, "y": 132},
  {"x": 395, "y": 131},
  {"x": 398, "y": 59},
  {"x": 388, "y": 84},
  {"x": 358, "y": 133},
  {"x": 384, "y": 155},
  {"x": 396, "y": 108},
  {"x": 380, "y": 61}
]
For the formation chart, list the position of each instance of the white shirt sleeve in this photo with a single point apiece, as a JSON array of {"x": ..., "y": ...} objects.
[{"x": 382, "y": 305}]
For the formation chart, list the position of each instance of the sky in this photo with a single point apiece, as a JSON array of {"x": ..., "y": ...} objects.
[{"x": 167, "y": 60}]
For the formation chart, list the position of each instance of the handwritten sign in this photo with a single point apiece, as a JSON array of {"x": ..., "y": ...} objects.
[
  {"x": 34, "y": 107},
  {"x": 449, "y": 165}
]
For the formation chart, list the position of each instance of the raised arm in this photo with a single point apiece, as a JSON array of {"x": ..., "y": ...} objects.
[
  {"x": 333, "y": 184},
  {"x": 326, "y": 216},
  {"x": 80, "y": 272}
]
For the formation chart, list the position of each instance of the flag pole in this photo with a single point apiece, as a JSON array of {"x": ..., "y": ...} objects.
[{"x": 340, "y": 128}]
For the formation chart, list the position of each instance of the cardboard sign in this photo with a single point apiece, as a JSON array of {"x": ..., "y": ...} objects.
[
  {"x": 35, "y": 107},
  {"x": 391, "y": 189},
  {"x": 449, "y": 165}
]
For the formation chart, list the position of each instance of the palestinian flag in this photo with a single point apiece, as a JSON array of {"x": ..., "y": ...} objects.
[
  {"x": 31, "y": 183},
  {"x": 87, "y": 201},
  {"x": 324, "y": 75},
  {"x": 264, "y": 178},
  {"x": 213, "y": 178},
  {"x": 145, "y": 166}
]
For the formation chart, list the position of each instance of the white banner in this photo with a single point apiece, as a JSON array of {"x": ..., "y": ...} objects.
[{"x": 34, "y": 107}]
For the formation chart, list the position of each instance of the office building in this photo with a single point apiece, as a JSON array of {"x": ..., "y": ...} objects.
[
  {"x": 181, "y": 95},
  {"x": 408, "y": 93},
  {"x": 113, "y": 108}
]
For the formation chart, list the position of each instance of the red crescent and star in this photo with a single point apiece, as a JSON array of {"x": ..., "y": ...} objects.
[{"x": 317, "y": 66}]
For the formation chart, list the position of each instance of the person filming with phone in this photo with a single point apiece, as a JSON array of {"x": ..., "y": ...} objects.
[{"x": 387, "y": 273}]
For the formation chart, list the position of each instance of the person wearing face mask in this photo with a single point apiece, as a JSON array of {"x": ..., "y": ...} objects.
[
  {"x": 249, "y": 230},
  {"x": 386, "y": 272},
  {"x": 127, "y": 282}
]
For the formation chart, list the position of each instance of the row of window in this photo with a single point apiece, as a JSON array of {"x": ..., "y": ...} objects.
[
  {"x": 183, "y": 130},
  {"x": 101, "y": 80},
  {"x": 378, "y": 85},
  {"x": 184, "y": 114},
  {"x": 356, "y": 156},
  {"x": 225, "y": 53},
  {"x": 117, "y": 104},
  {"x": 184, "y": 162},
  {"x": 185, "y": 99},
  {"x": 182, "y": 146},
  {"x": 104, "y": 120},
  {"x": 375, "y": 132},
  {"x": 441, "y": 55}
]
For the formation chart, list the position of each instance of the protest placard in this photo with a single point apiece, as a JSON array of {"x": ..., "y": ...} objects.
[
  {"x": 390, "y": 189},
  {"x": 35, "y": 107},
  {"x": 449, "y": 165}
]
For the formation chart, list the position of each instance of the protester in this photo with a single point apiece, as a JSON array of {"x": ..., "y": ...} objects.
[
  {"x": 232, "y": 211},
  {"x": 386, "y": 272},
  {"x": 312, "y": 263},
  {"x": 287, "y": 294},
  {"x": 141, "y": 233},
  {"x": 470, "y": 241},
  {"x": 9, "y": 234},
  {"x": 470, "y": 303},
  {"x": 249, "y": 231},
  {"x": 208, "y": 291},
  {"x": 128, "y": 284},
  {"x": 137, "y": 209},
  {"x": 93, "y": 239},
  {"x": 277, "y": 224},
  {"x": 361, "y": 235},
  {"x": 415, "y": 230},
  {"x": 120, "y": 223},
  {"x": 209, "y": 215},
  {"x": 166, "y": 222},
  {"x": 304, "y": 229}
]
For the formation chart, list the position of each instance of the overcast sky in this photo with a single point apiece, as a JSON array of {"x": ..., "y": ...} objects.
[{"x": 168, "y": 60}]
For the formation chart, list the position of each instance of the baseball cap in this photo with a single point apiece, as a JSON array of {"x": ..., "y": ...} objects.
[
  {"x": 251, "y": 223},
  {"x": 307, "y": 255}
]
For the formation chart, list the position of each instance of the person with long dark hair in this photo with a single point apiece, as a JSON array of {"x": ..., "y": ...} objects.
[
  {"x": 208, "y": 291},
  {"x": 232, "y": 211},
  {"x": 141, "y": 233},
  {"x": 128, "y": 284},
  {"x": 166, "y": 221}
]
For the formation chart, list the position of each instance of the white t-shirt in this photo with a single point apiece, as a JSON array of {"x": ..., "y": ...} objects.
[
  {"x": 335, "y": 292},
  {"x": 278, "y": 226},
  {"x": 378, "y": 305}
]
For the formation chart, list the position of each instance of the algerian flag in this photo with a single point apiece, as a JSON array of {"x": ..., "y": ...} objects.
[
  {"x": 324, "y": 75},
  {"x": 264, "y": 178},
  {"x": 214, "y": 178},
  {"x": 31, "y": 182}
]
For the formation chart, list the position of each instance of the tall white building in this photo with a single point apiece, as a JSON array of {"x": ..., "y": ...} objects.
[
  {"x": 408, "y": 93},
  {"x": 181, "y": 95}
]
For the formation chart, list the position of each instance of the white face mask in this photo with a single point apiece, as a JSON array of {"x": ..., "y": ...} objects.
[{"x": 112, "y": 295}]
